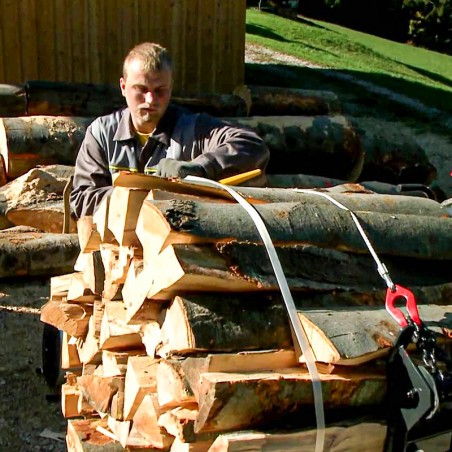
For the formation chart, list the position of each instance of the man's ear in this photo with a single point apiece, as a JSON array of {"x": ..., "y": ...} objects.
[{"x": 122, "y": 85}]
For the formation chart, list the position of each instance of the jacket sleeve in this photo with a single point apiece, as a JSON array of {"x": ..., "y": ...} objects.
[
  {"x": 228, "y": 150},
  {"x": 92, "y": 178}
]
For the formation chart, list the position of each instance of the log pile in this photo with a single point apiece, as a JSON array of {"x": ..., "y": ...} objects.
[{"x": 175, "y": 335}]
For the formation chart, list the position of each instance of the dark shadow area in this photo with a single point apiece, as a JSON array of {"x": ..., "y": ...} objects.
[
  {"x": 431, "y": 75},
  {"x": 264, "y": 33}
]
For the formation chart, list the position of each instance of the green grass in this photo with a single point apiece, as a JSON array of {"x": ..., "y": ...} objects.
[{"x": 415, "y": 72}]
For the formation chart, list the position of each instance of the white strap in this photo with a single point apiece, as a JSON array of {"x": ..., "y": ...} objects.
[{"x": 288, "y": 300}]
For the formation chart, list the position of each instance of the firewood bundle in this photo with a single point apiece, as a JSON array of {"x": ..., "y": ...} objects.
[{"x": 176, "y": 337}]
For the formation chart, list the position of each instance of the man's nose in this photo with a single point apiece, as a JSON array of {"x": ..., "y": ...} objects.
[{"x": 148, "y": 97}]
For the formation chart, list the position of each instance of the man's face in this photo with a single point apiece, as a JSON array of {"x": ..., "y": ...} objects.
[{"x": 147, "y": 95}]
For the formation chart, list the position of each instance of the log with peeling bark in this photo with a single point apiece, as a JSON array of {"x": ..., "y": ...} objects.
[
  {"x": 40, "y": 140},
  {"x": 322, "y": 224},
  {"x": 231, "y": 401},
  {"x": 29, "y": 252}
]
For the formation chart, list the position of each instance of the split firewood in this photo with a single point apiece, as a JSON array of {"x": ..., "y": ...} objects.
[
  {"x": 236, "y": 401},
  {"x": 94, "y": 272},
  {"x": 173, "y": 389},
  {"x": 68, "y": 317},
  {"x": 121, "y": 429},
  {"x": 59, "y": 286},
  {"x": 69, "y": 359},
  {"x": 78, "y": 291},
  {"x": 350, "y": 436},
  {"x": 72, "y": 402},
  {"x": 89, "y": 348},
  {"x": 232, "y": 324},
  {"x": 124, "y": 207},
  {"x": 83, "y": 435},
  {"x": 141, "y": 379},
  {"x": 145, "y": 421},
  {"x": 115, "y": 333},
  {"x": 115, "y": 362},
  {"x": 190, "y": 368},
  {"x": 27, "y": 251},
  {"x": 30, "y": 141},
  {"x": 173, "y": 222},
  {"x": 180, "y": 422},
  {"x": 99, "y": 391}
]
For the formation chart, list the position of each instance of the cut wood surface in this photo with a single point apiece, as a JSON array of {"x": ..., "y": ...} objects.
[
  {"x": 40, "y": 140},
  {"x": 68, "y": 317},
  {"x": 308, "y": 222},
  {"x": 236, "y": 401},
  {"x": 366, "y": 435},
  {"x": 24, "y": 251},
  {"x": 141, "y": 379},
  {"x": 83, "y": 436},
  {"x": 322, "y": 145},
  {"x": 195, "y": 324}
]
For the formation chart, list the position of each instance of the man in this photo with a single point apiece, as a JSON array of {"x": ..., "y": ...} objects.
[{"x": 153, "y": 136}]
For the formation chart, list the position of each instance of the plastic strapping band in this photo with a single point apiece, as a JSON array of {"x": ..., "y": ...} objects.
[
  {"x": 288, "y": 300},
  {"x": 382, "y": 270}
]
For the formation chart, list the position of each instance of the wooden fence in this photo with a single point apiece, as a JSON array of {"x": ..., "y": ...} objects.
[{"x": 86, "y": 40}]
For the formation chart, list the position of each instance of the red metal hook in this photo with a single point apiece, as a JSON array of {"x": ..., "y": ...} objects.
[{"x": 396, "y": 313}]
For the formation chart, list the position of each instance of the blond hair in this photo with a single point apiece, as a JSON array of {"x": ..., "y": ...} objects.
[{"x": 152, "y": 56}]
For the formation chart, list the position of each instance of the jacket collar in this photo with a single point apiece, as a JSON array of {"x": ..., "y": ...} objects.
[{"x": 162, "y": 132}]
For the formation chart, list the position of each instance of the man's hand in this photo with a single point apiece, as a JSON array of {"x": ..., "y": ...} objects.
[{"x": 176, "y": 168}]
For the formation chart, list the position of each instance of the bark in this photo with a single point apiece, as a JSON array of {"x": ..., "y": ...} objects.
[
  {"x": 33, "y": 253},
  {"x": 354, "y": 435},
  {"x": 199, "y": 323},
  {"x": 40, "y": 140},
  {"x": 314, "y": 221},
  {"x": 72, "y": 99},
  {"x": 239, "y": 401},
  {"x": 274, "y": 101},
  {"x": 321, "y": 145}
]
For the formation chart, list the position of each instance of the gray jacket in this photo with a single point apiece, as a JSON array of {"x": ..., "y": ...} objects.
[{"x": 110, "y": 145}]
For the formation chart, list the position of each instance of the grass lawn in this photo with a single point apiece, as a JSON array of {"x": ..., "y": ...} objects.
[{"x": 414, "y": 72}]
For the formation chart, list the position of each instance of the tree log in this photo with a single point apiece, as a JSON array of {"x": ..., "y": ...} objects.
[
  {"x": 310, "y": 221},
  {"x": 352, "y": 336},
  {"x": 274, "y": 101},
  {"x": 322, "y": 145},
  {"x": 352, "y": 436},
  {"x": 235, "y": 324},
  {"x": 24, "y": 251},
  {"x": 237, "y": 401},
  {"x": 392, "y": 154},
  {"x": 51, "y": 98},
  {"x": 13, "y": 101},
  {"x": 40, "y": 140}
]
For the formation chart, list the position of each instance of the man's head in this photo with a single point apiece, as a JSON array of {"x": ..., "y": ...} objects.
[{"x": 146, "y": 84}]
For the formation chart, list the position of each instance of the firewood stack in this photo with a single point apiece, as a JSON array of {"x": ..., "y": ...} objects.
[{"x": 176, "y": 337}]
